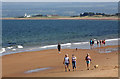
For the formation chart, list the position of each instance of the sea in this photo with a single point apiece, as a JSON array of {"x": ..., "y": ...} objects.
[{"x": 35, "y": 35}]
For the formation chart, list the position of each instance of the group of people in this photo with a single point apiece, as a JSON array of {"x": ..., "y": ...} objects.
[
  {"x": 99, "y": 43},
  {"x": 66, "y": 62}
]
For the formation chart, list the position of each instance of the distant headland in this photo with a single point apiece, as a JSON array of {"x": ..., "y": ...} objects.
[{"x": 82, "y": 16}]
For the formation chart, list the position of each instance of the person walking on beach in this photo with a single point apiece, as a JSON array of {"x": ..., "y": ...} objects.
[
  {"x": 97, "y": 43},
  {"x": 93, "y": 43},
  {"x": 88, "y": 60},
  {"x": 104, "y": 42},
  {"x": 59, "y": 47},
  {"x": 74, "y": 62},
  {"x": 100, "y": 43},
  {"x": 90, "y": 43},
  {"x": 66, "y": 62}
]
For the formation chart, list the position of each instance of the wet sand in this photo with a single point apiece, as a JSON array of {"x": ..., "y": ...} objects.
[{"x": 15, "y": 65}]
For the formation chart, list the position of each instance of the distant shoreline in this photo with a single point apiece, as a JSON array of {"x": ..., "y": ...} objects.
[{"x": 64, "y": 18}]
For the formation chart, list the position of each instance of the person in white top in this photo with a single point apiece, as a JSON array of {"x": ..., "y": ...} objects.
[
  {"x": 66, "y": 62},
  {"x": 74, "y": 62}
]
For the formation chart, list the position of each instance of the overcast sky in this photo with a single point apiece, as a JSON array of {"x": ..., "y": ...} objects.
[{"x": 59, "y": 0}]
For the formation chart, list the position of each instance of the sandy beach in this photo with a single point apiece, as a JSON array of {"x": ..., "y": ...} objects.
[
  {"x": 63, "y": 18},
  {"x": 15, "y": 65}
]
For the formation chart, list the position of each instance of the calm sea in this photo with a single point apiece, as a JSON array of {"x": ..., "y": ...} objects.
[
  {"x": 45, "y": 34},
  {"x": 38, "y": 33}
]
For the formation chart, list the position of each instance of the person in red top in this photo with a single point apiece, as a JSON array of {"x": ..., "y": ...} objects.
[{"x": 104, "y": 42}]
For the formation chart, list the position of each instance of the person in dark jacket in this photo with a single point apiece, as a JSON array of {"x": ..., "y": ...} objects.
[{"x": 59, "y": 47}]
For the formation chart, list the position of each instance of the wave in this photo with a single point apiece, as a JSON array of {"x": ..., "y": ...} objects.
[
  {"x": 115, "y": 39},
  {"x": 79, "y": 45},
  {"x": 48, "y": 46},
  {"x": 51, "y": 46}
]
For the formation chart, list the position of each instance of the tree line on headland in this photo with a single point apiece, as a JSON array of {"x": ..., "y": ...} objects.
[
  {"x": 96, "y": 14},
  {"x": 81, "y": 15}
]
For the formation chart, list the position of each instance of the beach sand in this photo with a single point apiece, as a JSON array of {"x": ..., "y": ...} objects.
[
  {"x": 15, "y": 65},
  {"x": 63, "y": 18}
]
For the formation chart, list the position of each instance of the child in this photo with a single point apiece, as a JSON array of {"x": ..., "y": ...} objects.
[{"x": 74, "y": 61}]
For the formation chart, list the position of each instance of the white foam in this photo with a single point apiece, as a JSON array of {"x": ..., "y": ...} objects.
[
  {"x": 77, "y": 43},
  {"x": 116, "y": 39},
  {"x": 19, "y": 46},
  {"x": 67, "y": 44},
  {"x": 2, "y": 50},
  {"x": 49, "y": 46},
  {"x": 94, "y": 39},
  {"x": 52, "y": 46},
  {"x": 13, "y": 49},
  {"x": 9, "y": 47},
  {"x": 84, "y": 42},
  {"x": 80, "y": 43}
]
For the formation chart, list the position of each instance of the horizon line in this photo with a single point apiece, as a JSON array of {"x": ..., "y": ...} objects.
[{"x": 60, "y": 1}]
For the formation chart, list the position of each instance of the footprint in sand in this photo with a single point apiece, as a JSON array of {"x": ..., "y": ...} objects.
[
  {"x": 107, "y": 58},
  {"x": 116, "y": 67},
  {"x": 92, "y": 69},
  {"x": 102, "y": 69}
]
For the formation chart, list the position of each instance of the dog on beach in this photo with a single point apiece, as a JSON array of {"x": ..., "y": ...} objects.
[{"x": 96, "y": 66}]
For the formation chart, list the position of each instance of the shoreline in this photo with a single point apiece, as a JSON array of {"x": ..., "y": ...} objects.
[
  {"x": 68, "y": 18},
  {"x": 13, "y": 63},
  {"x": 79, "y": 45}
]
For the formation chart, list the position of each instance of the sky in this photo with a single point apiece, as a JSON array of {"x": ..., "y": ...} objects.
[{"x": 60, "y": 0}]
